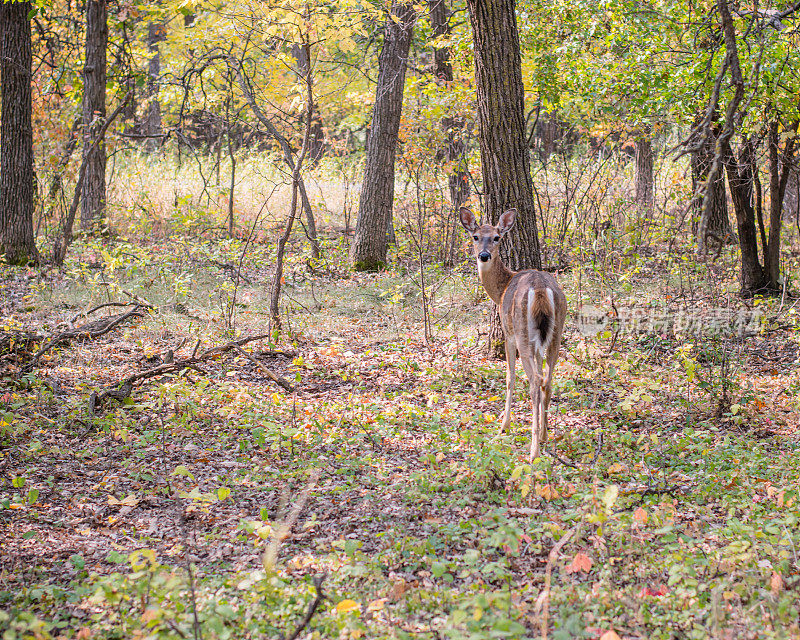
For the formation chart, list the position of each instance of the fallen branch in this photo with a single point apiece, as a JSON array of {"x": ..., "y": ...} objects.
[
  {"x": 543, "y": 601},
  {"x": 318, "y": 580},
  {"x": 89, "y": 330},
  {"x": 123, "y": 389}
]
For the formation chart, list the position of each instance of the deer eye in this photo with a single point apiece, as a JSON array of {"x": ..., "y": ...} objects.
[
  {"x": 497, "y": 238},
  {"x": 474, "y": 237}
]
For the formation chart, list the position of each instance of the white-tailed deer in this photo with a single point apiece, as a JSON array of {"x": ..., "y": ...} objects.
[{"x": 532, "y": 311}]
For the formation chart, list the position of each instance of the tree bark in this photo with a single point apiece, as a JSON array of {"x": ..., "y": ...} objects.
[
  {"x": 505, "y": 160},
  {"x": 719, "y": 224},
  {"x": 368, "y": 252},
  {"x": 740, "y": 181},
  {"x": 779, "y": 166},
  {"x": 93, "y": 209},
  {"x": 156, "y": 33},
  {"x": 16, "y": 136},
  {"x": 453, "y": 152},
  {"x": 644, "y": 195}
]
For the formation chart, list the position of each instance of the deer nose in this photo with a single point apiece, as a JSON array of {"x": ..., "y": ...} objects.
[{"x": 484, "y": 256}]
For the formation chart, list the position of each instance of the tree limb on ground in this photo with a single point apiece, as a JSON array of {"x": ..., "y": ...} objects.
[
  {"x": 123, "y": 389},
  {"x": 90, "y": 330}
]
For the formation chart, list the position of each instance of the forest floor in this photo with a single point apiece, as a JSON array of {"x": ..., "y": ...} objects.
[{"x": 212, "y": 502}]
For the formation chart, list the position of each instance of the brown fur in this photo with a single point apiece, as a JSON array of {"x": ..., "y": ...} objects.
[{"x": 510, "y": 291}]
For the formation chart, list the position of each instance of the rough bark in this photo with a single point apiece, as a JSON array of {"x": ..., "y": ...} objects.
[
  {"x": 644, "y": 194},
  {"x": 719, "y": 224},
  {"x": 740, "y": 181},
  {"x": 93, "y": 209},
  {"x": 156, "y": 33},
  {"x": 779, "y": 169},
  {"x": 453, "y": 152},
  {"x": 368, "y": 252},
  {"x": 16, "y": 136},
  {"x": 505, "y": 161},
  {"x": 791, "y": 199}
]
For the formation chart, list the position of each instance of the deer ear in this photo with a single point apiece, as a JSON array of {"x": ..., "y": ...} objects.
[
  {"x": 467, "y": 219},
  {"x": 506, "y": 221}
]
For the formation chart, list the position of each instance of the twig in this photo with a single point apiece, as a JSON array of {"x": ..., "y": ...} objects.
[
  {"x": 543, "y": 601},
  {"x": 318, "y": 580},
  {"x": 86, "y": 314},
  {"x": 270, "y": 374}
]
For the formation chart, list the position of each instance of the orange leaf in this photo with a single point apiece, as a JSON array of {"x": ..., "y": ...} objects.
[
  {"x": 640, "y": 515},
  {"x": 610, "y": 635},
  {"x": 581, "y": 562},
  {"x": 776, "y": 583}
]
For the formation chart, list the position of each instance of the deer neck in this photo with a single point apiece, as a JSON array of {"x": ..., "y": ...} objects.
[{"x": 494, "y": 277}]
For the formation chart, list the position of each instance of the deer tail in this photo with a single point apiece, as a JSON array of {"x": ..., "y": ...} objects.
[{"x": 541, "y": 318}]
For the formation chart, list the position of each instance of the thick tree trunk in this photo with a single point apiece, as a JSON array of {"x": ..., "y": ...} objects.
[
  {"x": 644, "y": 175},
  {"x": 740, "y": 180},
  {"x": 16, "y": 136},
  {"x": 505, "y": 161},
  {"x": 779, "y": 166},
  {"x": 718, "y": 226},
  {"x": 791, "y": 198},
  {"x": 368, "y": 252},
  {"x": 457, "y": 177},
  {"x": 156, "y": 33},
  {"x": 93, "y": 209}
]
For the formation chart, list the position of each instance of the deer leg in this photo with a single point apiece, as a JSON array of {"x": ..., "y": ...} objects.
[
  {"x": 529, "y": 363},
  {"x": 511, "y": 366},
  {"x": 547, "y": 389}
]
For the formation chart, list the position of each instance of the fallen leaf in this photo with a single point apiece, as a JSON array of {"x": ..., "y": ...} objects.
[
  {"x": 616, "y": 468},
  {"x": 581, "y": 562},
  {"x": 377, "y": 605},
  {"x": 776, "y": 583},
  {"x": 346, "y": 606},
  {"x": 640, "y": 515},
  {"x": 610, "y": 635},
  {"x": 398, "y": 589}
]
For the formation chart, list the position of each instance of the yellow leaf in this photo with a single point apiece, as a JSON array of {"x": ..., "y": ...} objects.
[
  {"x": 477, "y": 614},
  {"x": 377, "y": 605},
  {"x": 616, "y": 468},
  {"x": 346, "y": 606}
]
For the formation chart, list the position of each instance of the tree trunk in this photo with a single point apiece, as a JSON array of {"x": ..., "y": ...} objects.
[
  {"x": 368, "y": 252},
  {"x": 457, "y": 176},
  {"x": 156, "y": 33},
  {"x": 740, "y": 181},
  {"x": 779, "y": 166},
  {"x": 505, "y": 161},
  {"x": 16, "y": 136},
  {"x": 93, "y": 209},
  {"x": 644, "y": 175},
  {"x": 718, "y": 226}
]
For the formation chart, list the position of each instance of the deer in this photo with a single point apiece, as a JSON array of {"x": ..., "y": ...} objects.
[{"x": 532, "y": 311}]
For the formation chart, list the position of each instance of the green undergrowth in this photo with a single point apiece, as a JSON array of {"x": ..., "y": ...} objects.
[{"x": 209, "y": 502}]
